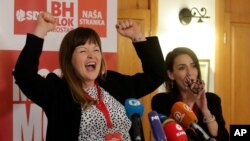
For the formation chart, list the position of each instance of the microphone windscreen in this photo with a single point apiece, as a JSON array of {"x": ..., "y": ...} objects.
[
  {"x": 183, "y": 114},
  {"x": 174, "y": 131},
  {"x": 133, "y": 106},
  {"x": 156, "y": 126},
  {"x": 162, "y": 117}
]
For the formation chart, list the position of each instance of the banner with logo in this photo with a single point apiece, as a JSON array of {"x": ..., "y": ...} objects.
[{"x": 21, "y": 119}]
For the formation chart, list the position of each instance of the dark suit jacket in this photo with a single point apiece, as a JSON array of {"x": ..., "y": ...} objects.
[{"x": 52, "y": 93}]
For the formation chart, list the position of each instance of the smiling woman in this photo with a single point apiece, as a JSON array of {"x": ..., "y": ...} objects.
[
  {"x": 84, "y": 57},
  {"x": 87, "y": 94}
]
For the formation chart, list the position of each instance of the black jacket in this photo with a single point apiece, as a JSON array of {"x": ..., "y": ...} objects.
[{"x": 52, "y": 93}]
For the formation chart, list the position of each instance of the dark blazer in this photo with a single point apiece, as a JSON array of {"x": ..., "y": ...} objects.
[
  {"x": 163, "y": 102},
  {"x": 52, "y": 93}
]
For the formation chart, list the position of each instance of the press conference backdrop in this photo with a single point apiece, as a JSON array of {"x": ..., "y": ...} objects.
[{"x": 20, "y": 119}]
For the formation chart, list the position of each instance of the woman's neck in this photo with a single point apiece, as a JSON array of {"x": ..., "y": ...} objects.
[
  {"x": 186, "y": 99},
  {"x": 88, "y": 84}
]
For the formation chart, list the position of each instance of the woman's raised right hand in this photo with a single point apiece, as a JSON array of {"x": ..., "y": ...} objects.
[{"x": 45, "y": 23}]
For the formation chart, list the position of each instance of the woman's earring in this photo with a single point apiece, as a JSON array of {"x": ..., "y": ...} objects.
[{"x": 172, "y": 84}]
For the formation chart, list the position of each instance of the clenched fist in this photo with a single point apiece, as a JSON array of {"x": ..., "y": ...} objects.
[{"x": 45, "y": 23}]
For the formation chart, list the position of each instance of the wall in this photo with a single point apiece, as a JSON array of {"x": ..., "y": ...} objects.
[{"x": 200, "y": 37}]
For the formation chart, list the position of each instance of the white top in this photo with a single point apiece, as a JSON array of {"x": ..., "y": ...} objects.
[{"x": 93, "y": 123}]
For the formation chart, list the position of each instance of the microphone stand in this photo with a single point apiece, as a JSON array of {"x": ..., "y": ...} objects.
[{"x": 204, "y": 134}]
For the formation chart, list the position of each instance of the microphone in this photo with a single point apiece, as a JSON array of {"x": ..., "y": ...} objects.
[
  {"x": 156, "y": 126},
  {"x": 184, "y": 115},
  {"x": 173, "y": 130},
  {"x": 162, "y": 117},
  {"x": 134, "y": 110}
]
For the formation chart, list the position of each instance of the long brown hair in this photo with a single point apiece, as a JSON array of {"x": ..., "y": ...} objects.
[{"x": 71, "y": 40}]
